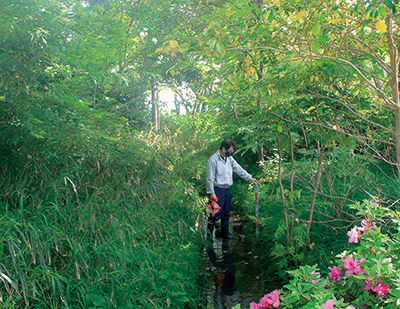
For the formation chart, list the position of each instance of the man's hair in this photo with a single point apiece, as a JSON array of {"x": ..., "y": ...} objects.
[{"x": 227, "y": 143}]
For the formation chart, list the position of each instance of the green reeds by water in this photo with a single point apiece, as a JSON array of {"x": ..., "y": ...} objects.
[{"x": 110, "y": 230}]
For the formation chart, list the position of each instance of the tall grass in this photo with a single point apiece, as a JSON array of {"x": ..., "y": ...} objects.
[{"x": 109, "y": 227}]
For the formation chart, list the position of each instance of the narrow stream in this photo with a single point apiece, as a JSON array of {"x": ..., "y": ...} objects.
[{"x": 232, "y": 271}]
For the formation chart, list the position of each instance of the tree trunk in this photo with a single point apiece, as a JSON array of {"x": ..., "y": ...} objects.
[
  {"x": 314, "y": 197},
  {"x": 394, "y": 83},
  {"x": 260, "y": 153},
  {"x": 291, "y": 185},
  {"x": 95, "y": 93},
  {"x": 155, "y": 117},
  {"x": 158, "y": 124},
  {"x": 177, "y": 105}
]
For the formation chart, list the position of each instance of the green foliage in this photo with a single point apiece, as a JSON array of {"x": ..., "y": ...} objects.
[
  {"x": 196, "y": 137},
  {"x": 106, "y": 228},
  {"x": 344, "y": 175},
  {"x": 99, "y": 215}
]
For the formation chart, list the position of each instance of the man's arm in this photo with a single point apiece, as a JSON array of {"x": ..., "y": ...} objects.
[
  {"x": 210, "y": 177},
  {"x": 238, "y": 170}
]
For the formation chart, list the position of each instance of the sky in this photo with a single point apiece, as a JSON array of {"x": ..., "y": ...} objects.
[{"x": 167, "y": 96}]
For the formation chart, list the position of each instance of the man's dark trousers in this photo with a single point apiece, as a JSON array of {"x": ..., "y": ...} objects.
[{"x": 225, "y": 202}]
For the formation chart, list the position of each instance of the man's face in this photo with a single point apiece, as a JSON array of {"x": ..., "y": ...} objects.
[{"x": 231, "y": 149}]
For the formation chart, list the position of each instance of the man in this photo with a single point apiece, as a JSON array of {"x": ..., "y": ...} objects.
[{"x": 220, "y": 169}]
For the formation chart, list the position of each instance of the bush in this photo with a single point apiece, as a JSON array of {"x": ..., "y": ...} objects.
[{"x": 365, "y": 277}]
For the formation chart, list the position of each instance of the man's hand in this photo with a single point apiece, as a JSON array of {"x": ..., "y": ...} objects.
[
  {"x": 254, "y": 181},
  {"x": 213, "y": 197}
]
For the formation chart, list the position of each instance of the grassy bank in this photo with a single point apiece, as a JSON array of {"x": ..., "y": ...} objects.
[{"x": 106, "y": 227}]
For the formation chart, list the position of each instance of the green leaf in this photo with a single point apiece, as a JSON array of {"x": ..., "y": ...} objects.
[
  {"x": 271, "y": 17},
  {"x": 316, "y": 29},
  {"x": 322, "y": 17},
  {"x": 114, "y": 221},
  {"x": 315, "y": 46},
  {"x": 323, "y": 38},
  {"x": 382, "y": 11},
  {"x": 96, "y": 299},
  {"x": 221, "y": 49},
  {"x": 184, "y": 299},
  {"x": 279, "y": 128}
]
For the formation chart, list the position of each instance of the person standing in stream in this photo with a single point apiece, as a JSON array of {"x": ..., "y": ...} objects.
[{"x": 219, "y": 178}]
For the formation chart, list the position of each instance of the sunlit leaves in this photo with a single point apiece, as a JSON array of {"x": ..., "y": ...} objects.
[
  {"x": 173, "y": 43},
  {"x": 381, "y": 26},
  {"x": 266, "y": 17},
  {"x": 311, "y": 108},
  {"x": 220, "y": 49},
  {"x": 170, "y": 47},
  {"x": 299, "y": 15}
]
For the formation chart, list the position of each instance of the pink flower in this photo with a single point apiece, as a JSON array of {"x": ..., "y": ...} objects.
[
  {"x": 264, "y": 302},
  {"x": 354, "y": 234},
  {"x": 369, "y": 284},
  {"x": 381, "y": 289},
  {"x": 351, "y": 307},
  {"x": 328, "y": 304},
  {"x": 351, "y": 266},
  {"x": 315, "y": 280},
  {"x": 254, "y": 305},
  {"x": 270, "y": 299},
  {"x": 365, "y": 225},
  {"x": 335, "y": 273}
]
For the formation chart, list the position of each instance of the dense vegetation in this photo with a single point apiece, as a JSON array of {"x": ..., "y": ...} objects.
[{"x": 102, "y": 194}]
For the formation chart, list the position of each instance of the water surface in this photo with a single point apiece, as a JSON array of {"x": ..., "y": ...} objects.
[{"x": 232, "y": 270}]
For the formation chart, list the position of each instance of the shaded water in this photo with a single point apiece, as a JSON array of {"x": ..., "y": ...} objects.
[{"x": 232, "y": 270}]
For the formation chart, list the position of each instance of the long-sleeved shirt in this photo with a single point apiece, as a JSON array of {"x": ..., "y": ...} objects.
[{"x": 220, "y": 171}]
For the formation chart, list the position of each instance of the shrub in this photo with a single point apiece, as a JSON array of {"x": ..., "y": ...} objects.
[{"x": 365, "y": 277}]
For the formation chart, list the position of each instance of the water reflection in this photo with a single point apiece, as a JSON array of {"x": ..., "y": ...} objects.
[
  {"x": 224, "y": 275},
  {"x": 233, "y": 274}
]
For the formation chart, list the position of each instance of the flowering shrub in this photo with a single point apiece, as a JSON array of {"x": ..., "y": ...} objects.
[
  {"x": 268, "y": 299},
  {"x": 367, "y": 277}
]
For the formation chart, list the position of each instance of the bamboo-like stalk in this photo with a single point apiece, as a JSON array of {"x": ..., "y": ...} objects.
[{"x": 285, "y": 213}]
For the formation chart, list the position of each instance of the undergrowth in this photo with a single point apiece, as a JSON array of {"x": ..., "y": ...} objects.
[{"x": 109, "y": 228}]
